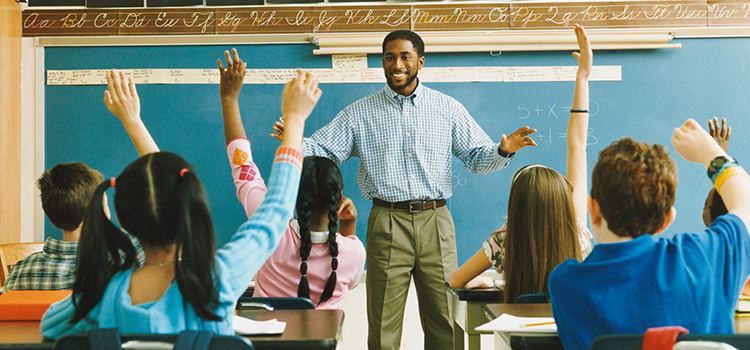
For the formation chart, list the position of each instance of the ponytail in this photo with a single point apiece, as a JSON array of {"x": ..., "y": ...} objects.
[
  {"x": 195, "y": 267},
  {"x": 333, "y": 247},
  {"x": 98, "y": 255}
]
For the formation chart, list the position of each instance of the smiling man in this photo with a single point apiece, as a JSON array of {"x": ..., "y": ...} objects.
[{"x": 404, "y": 136}]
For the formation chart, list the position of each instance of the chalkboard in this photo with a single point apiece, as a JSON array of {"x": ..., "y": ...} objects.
[{"x": 658, "y": 91}]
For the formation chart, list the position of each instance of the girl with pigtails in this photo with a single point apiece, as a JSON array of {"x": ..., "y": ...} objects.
[
  {"x": 185, "y": 283},
  {"x": 314, "y": 260}
]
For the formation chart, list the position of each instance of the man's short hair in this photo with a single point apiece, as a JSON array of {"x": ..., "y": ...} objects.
[
  {"x": 416, "y": 41},
  {"x": 66, "y": 190},
  {"x": 634, "y": 185}
]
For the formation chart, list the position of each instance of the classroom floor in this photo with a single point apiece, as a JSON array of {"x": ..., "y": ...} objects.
[{"x": 355, "y": 322}]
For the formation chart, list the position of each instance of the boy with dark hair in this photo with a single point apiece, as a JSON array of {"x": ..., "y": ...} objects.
[
  {"x": 66, "y": 191},
  {"x": 633, "y": 281}
]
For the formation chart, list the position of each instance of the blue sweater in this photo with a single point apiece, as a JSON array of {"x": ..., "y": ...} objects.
[{"x": 236, "y": 264}]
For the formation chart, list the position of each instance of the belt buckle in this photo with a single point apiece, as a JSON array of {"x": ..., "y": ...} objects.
[{"x": 412, "y": 204}]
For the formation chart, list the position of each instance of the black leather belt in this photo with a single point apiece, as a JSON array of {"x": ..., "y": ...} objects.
[{"x": 413, "y": 206}]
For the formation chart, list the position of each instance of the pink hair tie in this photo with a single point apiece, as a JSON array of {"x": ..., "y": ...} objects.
[
  {"x": 112, "y": 182},
  {"x": 183, "y": 171}
]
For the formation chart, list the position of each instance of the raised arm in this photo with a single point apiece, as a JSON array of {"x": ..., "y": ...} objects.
[
  {"x": 122, "y": 100},
  {"x": 696, "y": 145},
  {"x": 720, "y": 134},
  {"x": 232, "y": 79},
  {"x": 298, "y": 100},
  {"x": 578, "y": 124},
  {"x": 347, "y": 217}
]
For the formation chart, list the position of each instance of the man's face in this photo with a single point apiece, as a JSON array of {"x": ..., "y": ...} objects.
[{"x": 400, "y": 65}]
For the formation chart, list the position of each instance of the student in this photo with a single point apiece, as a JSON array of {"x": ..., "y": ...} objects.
[
  {"x": 184, "y": 284},
  {"x": 632, "y": 280},
  {"x": 546, "y": 212},
  {"x": 312, "y": 260},
  {"x": 65, "y": 191}
]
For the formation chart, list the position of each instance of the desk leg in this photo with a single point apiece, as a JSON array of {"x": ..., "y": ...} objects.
[
  {"x": 475, "y": 341},
  {"x": 458, "y": 337}
]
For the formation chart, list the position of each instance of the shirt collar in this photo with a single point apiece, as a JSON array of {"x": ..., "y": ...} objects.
[
  {"x": 609, "y": 251},
  {"x": 57, "y": 247},
  {"x": 415, "y": 96}
]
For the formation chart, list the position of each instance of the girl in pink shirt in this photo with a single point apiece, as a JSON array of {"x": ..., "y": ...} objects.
[{"x": 306, "y": 262}]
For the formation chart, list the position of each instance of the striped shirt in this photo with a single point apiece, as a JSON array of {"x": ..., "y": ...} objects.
[
  {"x": 53, "y": 268},
  {"x": 405, "y": 144}
]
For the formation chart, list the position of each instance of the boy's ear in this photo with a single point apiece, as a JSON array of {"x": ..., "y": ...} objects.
[
  {"x": 594, "y": 210},
  {"x": 668, "y": 220}
]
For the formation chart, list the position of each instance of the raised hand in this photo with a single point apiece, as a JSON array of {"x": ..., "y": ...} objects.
[
  {"x": 585, "y": 56},
  {"x": 721, "y": 135},
  {"x": 695, "y": 144},
  {"x": 278, "y": 130},
  {"x": 517, "y": 140},
  {"x": 297, "y": 102},
  {"x": 232, "y": 77},
  {"x": 347, "y": 211},
  {"x": 121, "y": 98}
]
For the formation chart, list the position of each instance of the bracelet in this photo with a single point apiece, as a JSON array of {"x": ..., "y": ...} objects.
[
  {"x": 576, "y": 110},
  {"x": 726, "y": 174},
  {"x": 721, "y": 170}
]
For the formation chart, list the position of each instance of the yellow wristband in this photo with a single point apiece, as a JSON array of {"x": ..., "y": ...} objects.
[{"x": 727, "y": 173}]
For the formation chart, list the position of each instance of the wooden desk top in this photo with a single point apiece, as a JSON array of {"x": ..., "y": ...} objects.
[
  {"x": 305, "y": 329},
  {"x": 741, "y": 324}
]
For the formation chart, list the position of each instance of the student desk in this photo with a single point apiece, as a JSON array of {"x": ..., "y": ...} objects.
[
  {"x": 467, "y": 307},
  {"x": 521, "y": 342},
  {"x": 305, "y": 329}
]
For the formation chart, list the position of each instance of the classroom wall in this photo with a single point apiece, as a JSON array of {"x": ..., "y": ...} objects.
[{"x": 10, "y": 121}]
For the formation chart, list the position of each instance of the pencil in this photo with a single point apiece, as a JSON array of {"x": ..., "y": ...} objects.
[{"x": 538, "y": 324}]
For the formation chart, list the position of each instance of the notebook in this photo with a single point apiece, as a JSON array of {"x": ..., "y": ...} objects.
[{"x": 28, "y": 305}]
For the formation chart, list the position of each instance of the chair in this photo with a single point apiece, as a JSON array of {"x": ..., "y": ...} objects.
[
  {"x": 11, "y": 253},
  {"x": 287, "y": 303},
  {"x": 635, "y": 341},
  {"x": 535, "y": 298},
  {"x": 157, "y": 341}
]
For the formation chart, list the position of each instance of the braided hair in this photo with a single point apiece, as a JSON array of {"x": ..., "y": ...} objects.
[{"x": 320, "y": 188}]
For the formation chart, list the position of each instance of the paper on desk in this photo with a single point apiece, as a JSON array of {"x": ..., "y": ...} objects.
[
  {"x": 246, "y": 326},
  {"x": 515, "y": 324}
]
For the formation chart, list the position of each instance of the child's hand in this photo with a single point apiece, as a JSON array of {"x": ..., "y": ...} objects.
[
  {"x": 347, "y": 211},
  {"x": 232, "y": 77},
  {"x": 278, "y": 128},
  {"x": 121, "y": 98},
  {"x": 299, "y": 97},
  {"x": 721, "y": 135},
  {"x": 585, "y": 56},
  {"x": 695, "y": 144}
]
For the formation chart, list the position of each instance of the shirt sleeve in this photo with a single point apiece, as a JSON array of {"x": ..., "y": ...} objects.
[
  {"x": 584, "y": 238},
  {"x": 472, "y": 145},
  {"x": 334, "y": 141},
  {"x": 55, "y": 323},
  {"x": 727, "y": 246},
  {"x": 239, "y": 260},
  {"x": 250, "y": 186},
  {"x": 494, "y": 249}
]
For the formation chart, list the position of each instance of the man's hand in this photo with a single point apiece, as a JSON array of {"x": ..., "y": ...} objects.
[
  {"x": 121, "y": 98},
  {"x": 695, "y": 144},
  {"x": 721, "y": 135},
  {"x": 232, "y": 77},
  {"x": 517, "y": 140}
]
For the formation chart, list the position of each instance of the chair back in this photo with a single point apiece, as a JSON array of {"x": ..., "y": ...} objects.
[
  {"x": 285, "y": 303},
  {"x": 684, "y": 341},
  {"x": 535, "y": 298},
  {"x": 11, "y": 253},
  {"x": 82, "y": 341}
]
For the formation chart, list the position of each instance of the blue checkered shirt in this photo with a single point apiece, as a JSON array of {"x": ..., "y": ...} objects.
[
  {"x": 53, "y": 268},
  {"x": 405, "y": 144}
]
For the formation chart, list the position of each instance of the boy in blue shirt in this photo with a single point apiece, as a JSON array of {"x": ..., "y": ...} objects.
[{"x": 633, "y": 281}]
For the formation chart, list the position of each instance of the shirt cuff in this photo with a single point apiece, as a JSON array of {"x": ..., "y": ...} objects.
[
  {"x": 503, "y": 154},
  {"x": 289, "y": 154}
]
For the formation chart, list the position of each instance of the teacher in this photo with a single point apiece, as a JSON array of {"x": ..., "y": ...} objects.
[{"x": 404, "y": 135}]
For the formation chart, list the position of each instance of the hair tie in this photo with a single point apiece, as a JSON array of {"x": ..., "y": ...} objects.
[
  {"x": 112, "y": 181},
  {"x": 183, "y": 171}
]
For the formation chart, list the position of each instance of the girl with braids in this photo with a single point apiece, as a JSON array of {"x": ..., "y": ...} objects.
[
  {"x": 184, "y": 284},
  {"x": 312, "y": 260},
  {"x": 546, "y": 210}
]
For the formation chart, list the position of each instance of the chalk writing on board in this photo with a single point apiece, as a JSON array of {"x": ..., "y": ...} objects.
[
  {"x": 354, "y": 61},
  {"x": 457, "y": 179}
]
